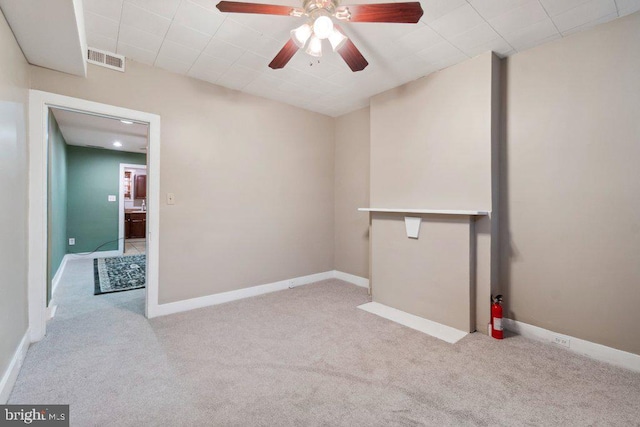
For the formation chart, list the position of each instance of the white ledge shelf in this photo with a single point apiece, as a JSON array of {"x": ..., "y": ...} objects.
[{"x": 426, "y": 211}]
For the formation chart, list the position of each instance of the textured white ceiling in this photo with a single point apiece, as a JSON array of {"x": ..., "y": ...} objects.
[
  {"x": 193, "y": 38},
  {"x": 96, "y": 131}
]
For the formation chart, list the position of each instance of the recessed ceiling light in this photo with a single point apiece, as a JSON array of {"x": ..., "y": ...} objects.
[
  {"x": 126, "y": 122},
  {"x": 117, "y": 144}
]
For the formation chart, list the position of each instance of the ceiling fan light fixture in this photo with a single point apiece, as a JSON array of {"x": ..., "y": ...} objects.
[
  {"x": 337, "y": 39},
  {"x": 320, "y": 25},
  {"x": 301, "y": 34},
  {"x": 323, "y": 27},
  {"x": 315, "y": 47}
]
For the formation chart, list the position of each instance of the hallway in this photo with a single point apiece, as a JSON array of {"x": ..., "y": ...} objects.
[{"x": 100, "y": 353}]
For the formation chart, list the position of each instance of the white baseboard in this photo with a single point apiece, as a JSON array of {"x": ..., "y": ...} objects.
[
  {"x": 356, "y": 280},
  {"x": 11, "y": 374},
  {"x": 56, "y": 278},
  {"x": 221, "y": 298},
  {"x": 590, "y": 349},
  {"x": 437, "y": 330},
  {"x": 51, "y": 309},
  {"x": 94, "y": 255}
]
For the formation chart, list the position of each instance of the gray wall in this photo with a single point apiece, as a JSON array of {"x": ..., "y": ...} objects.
[
  {"x": 252, "y": 178},
  {"x": 14, "y": 82},
  {"x": 431, "y": 148},
  {"x": 571, "y": 185},
  {"x": 351, "y": 176}
]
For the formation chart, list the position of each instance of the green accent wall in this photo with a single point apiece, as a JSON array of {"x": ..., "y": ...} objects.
[
  {"x": 93, "y": 175},
  {"x": 57, "y": 201}
]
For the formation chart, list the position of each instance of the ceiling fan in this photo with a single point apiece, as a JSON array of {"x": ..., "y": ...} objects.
[{"x": 320, "y": 25}]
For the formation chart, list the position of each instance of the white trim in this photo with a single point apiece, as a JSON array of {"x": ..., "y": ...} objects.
[
  {"x": 412, "y": 226},
  {"x": 590, "y": 349},
  {"x": 153, "y": 215},
  {"x": 37, "y": 264},
  {"x": 51, "y": 309},
  {"x": 39, "y": 103},
  {"x": 221, "y": 298},
  {"x": 94, "y": 255},
  {"x": 351, "y": 278},
  {"x": 11, "y": 374},
  {"x": 426, "y": 211},
  {"x": 437, "y": 330},
  {"x": 56, "y": 278},
  {"x": 123, "y": 166}
]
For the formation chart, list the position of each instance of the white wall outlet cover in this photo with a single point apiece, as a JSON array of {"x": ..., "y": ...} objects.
[
  {"x": 112, "y": 198},
  {"x": 562, "y": 340},
  {"x": 412, "y": 225},
  {"x": 72, "y": 241},
  {"x": 171, "y": 198}
]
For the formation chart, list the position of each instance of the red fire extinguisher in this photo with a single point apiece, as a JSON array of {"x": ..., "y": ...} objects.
[{"x": 496, "y": 317}]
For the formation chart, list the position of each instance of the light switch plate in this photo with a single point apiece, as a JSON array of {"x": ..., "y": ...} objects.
[
  {"x": 171, "y": 199},
  {"x": 112, "y": 198}
]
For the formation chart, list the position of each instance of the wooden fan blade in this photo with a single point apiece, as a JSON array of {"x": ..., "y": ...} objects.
[
  {"x": 352, "y": 56},
  {"x": 265, "y": 9},
  {"x": 408, "y": 13},
  {"x": 285, "y": 54}
]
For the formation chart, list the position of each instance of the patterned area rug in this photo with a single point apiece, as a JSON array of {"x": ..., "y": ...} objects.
[{"x": 118, "y": 274}]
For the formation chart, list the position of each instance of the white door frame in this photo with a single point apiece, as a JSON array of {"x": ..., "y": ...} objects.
[
  {"x": 123, "y": 166},
  {"x": 39, "y": 103}
]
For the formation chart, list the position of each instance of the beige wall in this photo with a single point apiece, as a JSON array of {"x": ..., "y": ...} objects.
[
  {"x": 351, "y": 177},
  {"x": 14, "y": 82},
  {"x": 252, "y": 178},
  {"x": 430, "y": 140},
  {"x": 571, "y": 188},
  {"x": 428, "y": 276},
  {"x": 431, "y": 148}
]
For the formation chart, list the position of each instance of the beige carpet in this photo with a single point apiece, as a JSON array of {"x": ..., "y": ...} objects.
[{"x": 302, "y": 357}]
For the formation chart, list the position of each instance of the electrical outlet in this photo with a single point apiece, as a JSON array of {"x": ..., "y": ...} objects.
[
  {"x": 561, "y": 340},
  {"x": 171, "y": 199},
  {"x": 72, "y": 241},
  {"x": 111, "y": 198}
]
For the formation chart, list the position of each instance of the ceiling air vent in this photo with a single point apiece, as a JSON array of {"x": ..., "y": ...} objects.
[{"x": 105, "y": 59}]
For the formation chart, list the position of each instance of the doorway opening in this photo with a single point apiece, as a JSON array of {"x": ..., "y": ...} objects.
[
  {"x": 92, "y": 206},
  {"x": 85, "y": 199},
  {"x": 133, "y": 209}
]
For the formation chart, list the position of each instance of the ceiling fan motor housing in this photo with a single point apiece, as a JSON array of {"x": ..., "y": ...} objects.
[{"x": 317, "y": 8}]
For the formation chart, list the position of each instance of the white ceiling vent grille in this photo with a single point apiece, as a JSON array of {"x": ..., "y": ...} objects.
[{"x": 105, "y": 59}]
